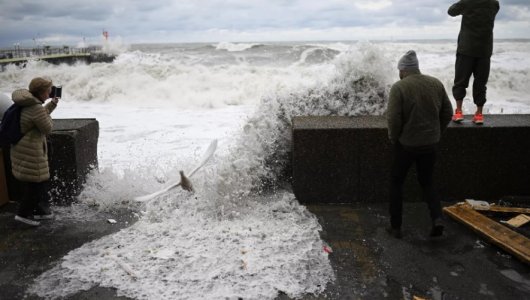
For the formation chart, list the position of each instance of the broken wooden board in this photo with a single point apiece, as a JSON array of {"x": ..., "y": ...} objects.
[
  {"x": 518, "y": 221},
  {"x": 505, "y": 209},
  {"x": 507, "y": 239}
]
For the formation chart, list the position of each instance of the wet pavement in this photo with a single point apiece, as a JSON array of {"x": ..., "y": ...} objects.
[{"x": 368, "y": 263}]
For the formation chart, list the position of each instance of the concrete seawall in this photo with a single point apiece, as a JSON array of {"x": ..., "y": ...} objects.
[{"x": 346, "y": 160}]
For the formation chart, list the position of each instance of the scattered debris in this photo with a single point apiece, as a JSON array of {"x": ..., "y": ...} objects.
[
  {"x": 478, "y": 205},
  {"x": 504, "y": 209},
  {"x": 125, "y": 267},
  {"x": 479, "y": 245},
  {"x": 111, "y": 221},
  {"x": 502, "y": 236},
  {"x": 485, "y": 291},
  {"x": 517, "y": 221}
]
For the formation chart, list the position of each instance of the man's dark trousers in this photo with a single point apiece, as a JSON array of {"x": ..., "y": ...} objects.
[
  {"x": 404, "y": 157},
  {"x": 466, "y": 66}
]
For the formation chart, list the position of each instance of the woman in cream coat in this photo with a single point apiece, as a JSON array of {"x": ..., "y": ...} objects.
[{"x": 29, "y": 157}]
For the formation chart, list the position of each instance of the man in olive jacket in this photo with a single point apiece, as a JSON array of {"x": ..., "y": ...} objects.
[
  {"x": 29, "y": 157},
  {"x": 418, "y": 112},
  {"x": 475, "y": 47}
]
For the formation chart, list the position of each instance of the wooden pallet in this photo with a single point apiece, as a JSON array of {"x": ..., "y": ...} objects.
[{"x": 500, "y": 235}]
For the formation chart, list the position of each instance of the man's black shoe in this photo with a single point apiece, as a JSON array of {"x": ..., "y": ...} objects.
[
  {"x": 395, "y": 232},
  {"x": 437, "y": 231},
  {"x": 437, "y": 228}
]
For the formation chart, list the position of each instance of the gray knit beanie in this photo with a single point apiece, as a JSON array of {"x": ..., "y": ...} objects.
[{"x": 409, "y": 61}]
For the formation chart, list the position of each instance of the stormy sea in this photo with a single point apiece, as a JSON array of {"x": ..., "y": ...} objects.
[{"x": 242, "y": 233}]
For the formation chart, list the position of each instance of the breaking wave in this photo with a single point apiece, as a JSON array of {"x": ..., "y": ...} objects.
[
  {"x": 359, "y": 87},
  {"x": 241, "y": 234},
  {"x": 236, "y": 47},
  {"x": 234, "y": 237}
]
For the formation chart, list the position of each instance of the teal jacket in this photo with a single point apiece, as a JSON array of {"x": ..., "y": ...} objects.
[
  {"x": 476, "y": 31},
  {"x": 418, "y": 111}
]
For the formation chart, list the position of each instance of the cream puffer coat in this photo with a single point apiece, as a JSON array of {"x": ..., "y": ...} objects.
[{"x": 29, "y": 157}]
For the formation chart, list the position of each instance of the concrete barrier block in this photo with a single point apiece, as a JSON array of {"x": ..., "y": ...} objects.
[
  {"x": 480, "y": 162},
  {"x": 73, "y": 156},
  {"x": 324, "y": 163}
]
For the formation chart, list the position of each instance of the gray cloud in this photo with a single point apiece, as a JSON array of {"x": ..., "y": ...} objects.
[{"x": 23, "y": 20}]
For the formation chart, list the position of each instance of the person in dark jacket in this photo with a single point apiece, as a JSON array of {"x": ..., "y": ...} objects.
[
  {"x": 29, "y": 157},
  {"x": 418, "y": 112},
  {"x": 475, "y": 47}
]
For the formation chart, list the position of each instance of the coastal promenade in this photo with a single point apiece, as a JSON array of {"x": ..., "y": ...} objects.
[
  {"x": 368, "y": 263},
  {"x": 69, "y": 55}
]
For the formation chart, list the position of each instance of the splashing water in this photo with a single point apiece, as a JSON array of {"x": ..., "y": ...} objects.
[
  {"x": 235, "y": 237},
  {"x": 260, "y": 157}
]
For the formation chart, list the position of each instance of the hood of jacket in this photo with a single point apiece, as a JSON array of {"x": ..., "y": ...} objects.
[{"x": 23, "y": 97}]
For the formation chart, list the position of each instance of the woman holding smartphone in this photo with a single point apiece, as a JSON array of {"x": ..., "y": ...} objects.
[{"x": 29, "y": 157}]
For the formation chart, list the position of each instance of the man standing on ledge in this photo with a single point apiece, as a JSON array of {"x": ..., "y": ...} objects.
[
  {"x": 418, "y": 112},
  {"x": 475, "y": 46}
]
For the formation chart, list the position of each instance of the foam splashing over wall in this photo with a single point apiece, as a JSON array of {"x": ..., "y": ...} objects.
[
  {"x": 260, "y": 158},
  {"x": 236, "y": 237}
]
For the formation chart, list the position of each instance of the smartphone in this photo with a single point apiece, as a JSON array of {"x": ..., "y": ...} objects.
[{"x": 56, "y": 91}]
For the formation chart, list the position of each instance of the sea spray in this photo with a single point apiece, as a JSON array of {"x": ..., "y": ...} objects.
[
  {"x": 230, "y": 239},
  {"x": 272, "y": 245},
  {"x": 190, "y": 246},
  {"x": 260, "y": 157}
]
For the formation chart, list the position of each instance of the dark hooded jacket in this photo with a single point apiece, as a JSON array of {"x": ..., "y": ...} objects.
[{"x": 476, "y": 31}]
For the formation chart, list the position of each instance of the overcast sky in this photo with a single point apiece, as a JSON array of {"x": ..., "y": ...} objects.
[{"x": 58, "y": 22}]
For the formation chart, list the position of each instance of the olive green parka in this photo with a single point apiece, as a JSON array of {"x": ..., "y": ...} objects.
[{"x": 418, "y": 111}]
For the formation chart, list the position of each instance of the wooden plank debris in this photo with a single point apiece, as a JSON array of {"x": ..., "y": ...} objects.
[
  {"x": 518, "y": 221},
  {"x": 504, "y": 209},
  {"x": 500, "y": 235}
]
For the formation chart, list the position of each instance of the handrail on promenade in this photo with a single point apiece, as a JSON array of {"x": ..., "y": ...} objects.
[{"x": 23, "y": 53}]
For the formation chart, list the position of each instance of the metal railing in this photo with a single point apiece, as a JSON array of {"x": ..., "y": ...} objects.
[{"x": 19, "y": 52}]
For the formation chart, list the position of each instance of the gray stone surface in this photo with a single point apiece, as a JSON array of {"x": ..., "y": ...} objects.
[
  {"x": 368, "y": 263},
  {"x": 344, "y": 160}
]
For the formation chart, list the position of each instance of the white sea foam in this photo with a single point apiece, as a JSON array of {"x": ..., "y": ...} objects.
[
  {"x": 230, "y": 239},
  {"x": 235, "y": 47},
  {"x": 145, "y": 79},
  {"x": 114, "y": 46},
  {"x": 201, "y": 77},
  {"x": 158, "y": 109}
]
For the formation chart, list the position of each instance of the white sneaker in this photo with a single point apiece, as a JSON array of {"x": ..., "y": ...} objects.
[{"x": 27, "y": 221}]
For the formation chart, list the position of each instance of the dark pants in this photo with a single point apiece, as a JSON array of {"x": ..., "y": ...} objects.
[
  {"x": 35, "y": 199},
  {"x": 466, "y": 66},
  {"x": 404, "y": 157}
]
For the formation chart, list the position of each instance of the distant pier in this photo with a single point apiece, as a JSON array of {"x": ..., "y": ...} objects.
[{"x": 57, "y": 55}]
